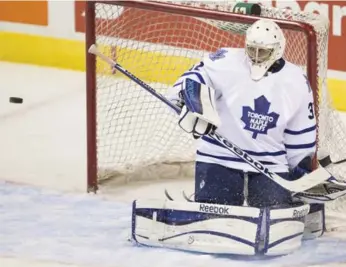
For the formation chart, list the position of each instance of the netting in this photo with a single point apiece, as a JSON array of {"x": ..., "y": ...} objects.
[{"x": 137, "y": 135}]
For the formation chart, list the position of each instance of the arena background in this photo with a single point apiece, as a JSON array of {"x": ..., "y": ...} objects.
[{"x": 51, "y": 33}]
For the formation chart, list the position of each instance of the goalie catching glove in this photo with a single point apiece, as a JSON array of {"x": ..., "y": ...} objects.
[{"x": 198, "y": 115}]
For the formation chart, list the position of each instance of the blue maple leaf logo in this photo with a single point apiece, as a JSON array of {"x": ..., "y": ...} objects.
[
  {"x": 218, "y": 54},
  {"x": 258, "y": 120}
]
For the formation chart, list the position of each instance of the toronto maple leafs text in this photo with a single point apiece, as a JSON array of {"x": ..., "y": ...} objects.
[{"x": 259, "y": 122}]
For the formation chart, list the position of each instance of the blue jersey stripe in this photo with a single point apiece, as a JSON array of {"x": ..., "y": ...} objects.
[
  {"x": 310, "y": 129},
  {"x": 252, "y": 153},
  {"x": 191, "y": 73},
  {"x": 300, "y": 146},
  {"x": 177, "y": 84},
  {"x": 231, "y": 158}
]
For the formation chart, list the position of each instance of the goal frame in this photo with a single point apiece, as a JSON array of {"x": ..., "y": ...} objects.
[{"x": 90, "y": 37}]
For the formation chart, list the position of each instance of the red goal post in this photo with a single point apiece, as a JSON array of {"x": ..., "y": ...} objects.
[{"x": 139, "y": 34}]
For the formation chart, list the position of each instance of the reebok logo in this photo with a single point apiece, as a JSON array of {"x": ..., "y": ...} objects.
[
  {"x": 300, "y": 213},
  {"x": 214, "y": 209},
  {"x": 242, "y": 154}
]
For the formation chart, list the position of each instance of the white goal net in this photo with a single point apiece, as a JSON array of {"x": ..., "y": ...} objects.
[{"x": 137, "y": 136}]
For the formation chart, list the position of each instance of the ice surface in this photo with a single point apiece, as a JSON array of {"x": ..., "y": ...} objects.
[
  {"x": 37, "y": 224},
  {"x": 46, "y": 135},
  {"x": 43, "y": 143}
]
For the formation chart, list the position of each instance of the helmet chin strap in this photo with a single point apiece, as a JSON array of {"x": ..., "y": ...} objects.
[
  {"x": 277, "y": 66},
  {"x": 257, "y": 72}
]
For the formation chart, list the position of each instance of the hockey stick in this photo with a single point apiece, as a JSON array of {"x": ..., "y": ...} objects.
[
  {"x": 339, "y": 162},
  {"x": 306, "y": 182},
  {"x": 311, "y": 197},
  {"x": 326, "y": 161},
  {"x": 168, "y": 196},
  {"x": 188, "y": 199}
]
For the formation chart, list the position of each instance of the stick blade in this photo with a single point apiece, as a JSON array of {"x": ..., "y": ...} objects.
[{"x": 310, "y": 180}]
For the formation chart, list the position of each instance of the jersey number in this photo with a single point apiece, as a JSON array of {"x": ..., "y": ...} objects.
[
  {"x": 197, "y": 67},
  {"x": 311, "y": 105},
  {"x": 311, "y": 110}
]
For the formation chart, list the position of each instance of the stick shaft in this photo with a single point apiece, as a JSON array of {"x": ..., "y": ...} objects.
[
  {"x": 339, "y": 162},
  {"x": 144, "y": 85}
]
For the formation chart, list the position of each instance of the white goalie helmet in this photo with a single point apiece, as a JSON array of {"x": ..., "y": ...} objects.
[{"x": 264, "y": 44}]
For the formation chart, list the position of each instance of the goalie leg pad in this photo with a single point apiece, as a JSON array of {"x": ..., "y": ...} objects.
[
  {"x": 315, "y": 222},
  {"x": 285, "y": 229},
  {"x": 217, "y": 229}
]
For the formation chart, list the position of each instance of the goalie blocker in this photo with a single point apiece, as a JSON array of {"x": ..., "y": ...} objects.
[{"x": 218, "y": 229}]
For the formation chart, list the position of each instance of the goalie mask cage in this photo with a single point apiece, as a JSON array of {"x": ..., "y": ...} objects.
[{"x": 131, "y": 134}]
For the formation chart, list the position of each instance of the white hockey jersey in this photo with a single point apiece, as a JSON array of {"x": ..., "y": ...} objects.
[{"x": 272, "y": 119}]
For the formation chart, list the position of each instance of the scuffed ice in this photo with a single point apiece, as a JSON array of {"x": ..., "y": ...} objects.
[{"x": 89, "y": 230}]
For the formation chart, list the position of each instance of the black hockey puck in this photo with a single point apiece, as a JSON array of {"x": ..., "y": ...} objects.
[{"x": 16, "y": 100}]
